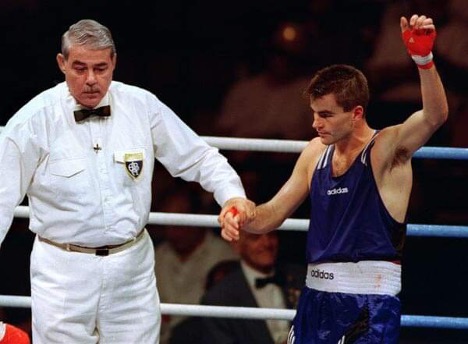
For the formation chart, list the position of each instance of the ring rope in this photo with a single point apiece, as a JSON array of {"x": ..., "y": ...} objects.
[
  {"x": 260, "y": 313},
  {"x": 197, "y": 220},
  {"x": 296, "y": 146}
]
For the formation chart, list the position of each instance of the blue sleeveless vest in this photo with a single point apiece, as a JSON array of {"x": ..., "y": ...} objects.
[{"x": 348, "y": 220}]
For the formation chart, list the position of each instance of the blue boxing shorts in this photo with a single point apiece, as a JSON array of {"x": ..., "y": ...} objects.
[{"x": 340, "y": 305}]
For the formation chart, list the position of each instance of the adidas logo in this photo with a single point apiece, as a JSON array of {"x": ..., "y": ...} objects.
[
  {"x": 322, "y": 274},
  {"x": 337, "y": 191}
]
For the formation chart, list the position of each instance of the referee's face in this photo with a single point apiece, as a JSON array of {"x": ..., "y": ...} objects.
[{"x": 88, "y": 73}]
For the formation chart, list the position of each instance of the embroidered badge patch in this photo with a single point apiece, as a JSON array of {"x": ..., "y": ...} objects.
[{"x": 133, "y": 164}]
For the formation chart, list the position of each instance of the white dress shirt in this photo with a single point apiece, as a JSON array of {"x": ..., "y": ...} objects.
[{"x": 87, "y": 197}]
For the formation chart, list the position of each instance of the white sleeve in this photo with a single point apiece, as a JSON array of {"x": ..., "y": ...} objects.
[
  {"x": 18, "y": 162},
  {"x": 184, "y": 154}
]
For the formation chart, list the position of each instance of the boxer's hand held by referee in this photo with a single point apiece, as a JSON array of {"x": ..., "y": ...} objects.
[
  {"x": 236, "y": 213},
  {"x": 230, "y": 226}
]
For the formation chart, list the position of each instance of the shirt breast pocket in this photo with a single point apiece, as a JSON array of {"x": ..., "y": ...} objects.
[{"x": 68, "y": 177}]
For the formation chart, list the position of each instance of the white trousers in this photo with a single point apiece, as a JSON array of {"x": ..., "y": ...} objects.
[{"x": 81, "y": 298}]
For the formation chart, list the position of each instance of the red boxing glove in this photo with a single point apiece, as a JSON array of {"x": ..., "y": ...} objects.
[
  {"x": 419, "y": 44},
  {"x": 14, "y": 335}
]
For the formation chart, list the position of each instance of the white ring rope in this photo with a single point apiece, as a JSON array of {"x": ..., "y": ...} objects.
[
  {"x": 260, "y": 313},
  {"x": 296, "y": 146},
  {"x": 292, "y": 146},
  {"x": 197, "y": 220}
]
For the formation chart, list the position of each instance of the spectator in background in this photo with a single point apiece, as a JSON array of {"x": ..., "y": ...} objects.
[
  {"x": 270, "y": 104},
  {"x": 258, "y": 281},
  {"x": 190, "y": 330},
  {"x": 184, "y": 258}
]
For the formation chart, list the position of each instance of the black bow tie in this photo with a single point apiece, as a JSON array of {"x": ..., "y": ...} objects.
[
  {"x": 81, "y": 115},
  {"x": 275, "y": 279}
]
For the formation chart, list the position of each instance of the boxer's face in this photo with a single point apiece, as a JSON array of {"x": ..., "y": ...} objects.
[{"x": 331, "y": 122}]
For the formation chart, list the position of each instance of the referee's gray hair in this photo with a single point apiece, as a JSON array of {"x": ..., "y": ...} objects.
[{"x": 90, "y": 33}]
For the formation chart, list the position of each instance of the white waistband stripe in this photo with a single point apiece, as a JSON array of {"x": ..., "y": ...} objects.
[{"x": 365, "y": 277}]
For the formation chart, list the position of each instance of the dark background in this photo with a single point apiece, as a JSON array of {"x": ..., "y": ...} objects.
[{"x": 188, "y": 53}]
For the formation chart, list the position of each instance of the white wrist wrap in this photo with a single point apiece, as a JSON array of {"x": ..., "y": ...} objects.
[{"x": 422, "y": 60}]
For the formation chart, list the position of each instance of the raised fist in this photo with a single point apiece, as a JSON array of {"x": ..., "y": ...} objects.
[{"x": 418, "y": 36}]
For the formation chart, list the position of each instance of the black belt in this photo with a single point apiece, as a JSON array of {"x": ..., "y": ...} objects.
[{"x": 98, "y": 251}]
